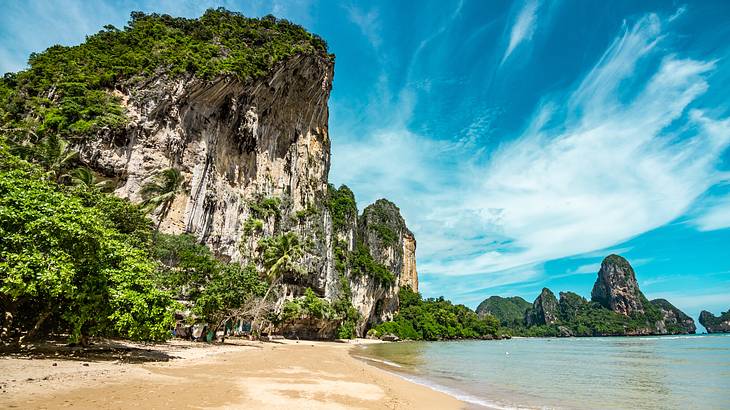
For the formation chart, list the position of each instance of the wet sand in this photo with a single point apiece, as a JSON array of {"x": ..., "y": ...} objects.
[{"x": 291, "y": 375}]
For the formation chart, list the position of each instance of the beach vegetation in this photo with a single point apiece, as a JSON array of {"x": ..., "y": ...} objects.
[
  {"x": 74, "y": 261},
  {"x": 435, "y": 319}
]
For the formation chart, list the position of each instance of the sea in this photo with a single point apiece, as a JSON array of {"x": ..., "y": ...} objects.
[{"x": 662, "y": 372}]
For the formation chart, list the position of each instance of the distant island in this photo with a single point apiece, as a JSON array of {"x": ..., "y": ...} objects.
[
  {"x": 715, "y": 324},
  {"x": 617, "y": 308}
]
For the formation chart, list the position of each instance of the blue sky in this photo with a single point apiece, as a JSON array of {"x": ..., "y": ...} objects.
[{"x": 523, "y": 141}]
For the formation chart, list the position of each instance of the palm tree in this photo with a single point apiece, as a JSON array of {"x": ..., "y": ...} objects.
[
  {"x": 85, "y": 177},
  {"x": 161, "y": 193},
  {"x": 55, "y": 155},
  {"x": 281, "y": 257},
  {"x": 51, "y": 152}
]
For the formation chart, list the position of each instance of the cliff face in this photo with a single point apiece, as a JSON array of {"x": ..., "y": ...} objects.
[
  {"x": 674, "y": 321},
  {"x": 715, "y": 324},
  {"x": 616, "y": 287},
  {"x": 382, "y": 230},
  {"x": 242, "y": 147},
  {"x": 544, "y": 310}
]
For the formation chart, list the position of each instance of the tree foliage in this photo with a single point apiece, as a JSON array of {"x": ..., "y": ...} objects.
[
  {"x": 363, "y": 263},
  {"x": 66, "y": 263},
  {"x": 436, "y": 319},
  {"x": 67, "y": 89}
]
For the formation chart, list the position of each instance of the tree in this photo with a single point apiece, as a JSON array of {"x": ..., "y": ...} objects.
[
  {"x": 85, "y": 177},
  {"x": 63, "y": 260},
  {"x": 281, "y": 255},
  {"x": 161, "y": 193},
  {"x": 231, "y": 292},
  {"x": 51, "y": 152}
]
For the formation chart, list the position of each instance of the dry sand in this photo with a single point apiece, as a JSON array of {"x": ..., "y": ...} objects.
[{"x": 290, "y": 375}]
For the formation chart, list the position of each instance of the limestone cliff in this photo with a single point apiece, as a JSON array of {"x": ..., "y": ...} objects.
[
  {"x": 618, "y": 308},
  {"x": 616, "y": 287},
  {"x": 544, "y": 310},
  {"x": 383, "y": 231},
  {"x": 674, "y": 321},
  {"x": 715, "y": 324},
  {"x": 255, "y": 157}
]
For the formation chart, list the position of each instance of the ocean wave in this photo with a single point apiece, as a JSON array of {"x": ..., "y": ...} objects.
[{"x": 378, "y": 361}]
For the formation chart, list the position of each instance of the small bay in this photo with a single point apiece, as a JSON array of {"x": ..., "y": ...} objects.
[{"x": 670, "y": 372}]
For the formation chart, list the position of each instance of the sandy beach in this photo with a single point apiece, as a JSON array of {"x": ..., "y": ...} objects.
[{"x": 239, "y": 374}]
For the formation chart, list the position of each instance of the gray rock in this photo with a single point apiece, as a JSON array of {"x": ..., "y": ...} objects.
[
  {"x": 715, "y": 324},
  {"x": 544, "y": 309},
  {"x": 616, "y": 287}
]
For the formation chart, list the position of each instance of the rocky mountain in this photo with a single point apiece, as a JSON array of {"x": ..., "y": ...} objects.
[
  {"x": 715, "y": 324},
  {"x": 617, "y": 307},
  {"x": 239, "y": 107},
  {"x": 544, "y": 309},
  {"x": 616, "y": 287},
  {"x": 674, "y": 321},
  {"x": 506, "y": 310}
]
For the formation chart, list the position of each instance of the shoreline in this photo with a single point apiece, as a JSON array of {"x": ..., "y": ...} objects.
[{"x": 238, "y": 374}]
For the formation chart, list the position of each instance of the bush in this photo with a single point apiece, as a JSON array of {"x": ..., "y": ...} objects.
[
  {"x": 62, "y": 253},
  {"x": 435, "y": 319}
]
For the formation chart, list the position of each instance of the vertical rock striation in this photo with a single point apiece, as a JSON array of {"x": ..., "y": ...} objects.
[{"x": 242, "y": 147}]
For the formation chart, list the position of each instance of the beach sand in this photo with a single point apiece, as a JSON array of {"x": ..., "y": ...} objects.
[{"x": 238, "y": 374}]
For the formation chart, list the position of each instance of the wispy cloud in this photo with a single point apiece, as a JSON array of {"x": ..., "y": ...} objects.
[
  {"x": 523, "y": 27},
  {"x": 613, "y": 168},
  {"x": 595, "y": 166},
  {"x": 367, "y": 22},
  {"x": 715, "y": 214}
]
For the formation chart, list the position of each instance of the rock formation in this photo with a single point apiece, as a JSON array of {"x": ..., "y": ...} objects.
[
  {"x": 255, "y": 157},
  {"x": 674, "y": 321},
  {"x": 544, "y": 309},
  {"x": 715, "y": 324},
  {"x": 616, "y": 287},
  {"x": 569, "y": 306},
  {"x": 618, "y": 308}
]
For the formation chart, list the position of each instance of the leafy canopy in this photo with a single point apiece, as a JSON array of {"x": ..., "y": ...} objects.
[
  {"x": 66, "y": 89},
  {"x": 436, "y": 319},
  {"x": 65, "y": 259}
]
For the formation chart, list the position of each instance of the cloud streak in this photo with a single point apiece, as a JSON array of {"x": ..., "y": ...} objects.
[
  {"x": 627, "y": 150},
  {"x": 523, "y": 27}
]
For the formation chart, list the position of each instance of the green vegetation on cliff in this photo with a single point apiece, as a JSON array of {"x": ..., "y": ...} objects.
[
  {"x": 573, "y": 315},
  {"x": 436, "y": 319},
  {"x": 342, "y": 206},
  {"x": 67, "y": 90}
]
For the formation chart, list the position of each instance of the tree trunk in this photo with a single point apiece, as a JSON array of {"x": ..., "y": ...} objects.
[
  {"x": 38, "y": 324},
  {"x": 274, "y": 283},
  {"x": 8, "y": 318}
]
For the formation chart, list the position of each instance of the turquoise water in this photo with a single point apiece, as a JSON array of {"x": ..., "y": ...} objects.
[{"x": 673, "y": 372}]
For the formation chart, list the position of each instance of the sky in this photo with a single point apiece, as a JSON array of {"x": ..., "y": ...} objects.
[{"x": 523, "y": 141}]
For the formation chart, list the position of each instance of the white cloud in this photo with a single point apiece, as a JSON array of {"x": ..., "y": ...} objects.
[
  {"x": 368, "y": 24},
  {"x": 523, "y": 27},
  {"x": 716, "y": 215},
  {"x": 594, "y": 167},
  {"x": 613, "y": 170}
]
